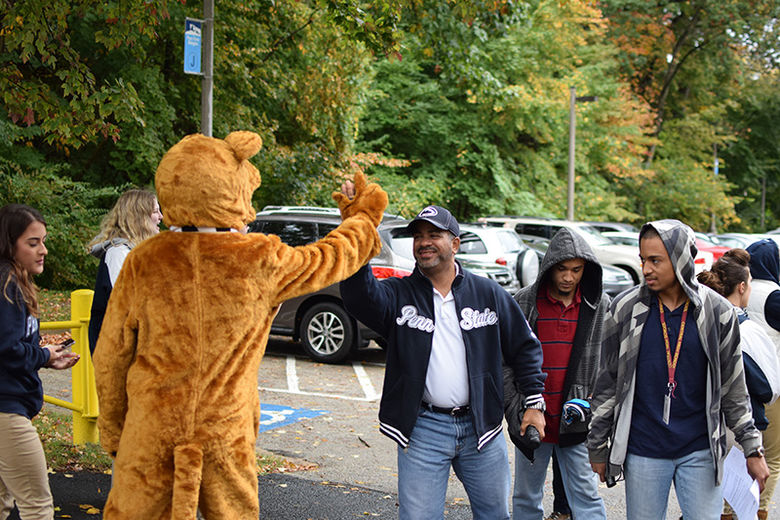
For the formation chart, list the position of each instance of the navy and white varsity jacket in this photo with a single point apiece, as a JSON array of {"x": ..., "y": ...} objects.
[{"x": 493, "y": 328}]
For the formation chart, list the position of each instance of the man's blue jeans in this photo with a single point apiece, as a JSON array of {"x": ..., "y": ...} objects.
[
  {"x": 439, "y": 441},
  {"x": 581, "y": 484},
  {"x": 648, "y": 481}
]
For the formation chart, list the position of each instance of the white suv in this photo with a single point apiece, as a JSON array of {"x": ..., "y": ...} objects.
[{"x": 621, "y": 256}]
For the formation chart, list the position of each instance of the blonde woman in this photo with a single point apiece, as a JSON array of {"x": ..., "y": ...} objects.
[{"x": 135, "y": 217}]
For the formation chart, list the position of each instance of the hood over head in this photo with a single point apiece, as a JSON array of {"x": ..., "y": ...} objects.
[
  {"x": 207, "y": 182},
  {"x": 764, "y": 260},
  {"x": 566, "y": 245},
  {"x": 680, "y": 243}
]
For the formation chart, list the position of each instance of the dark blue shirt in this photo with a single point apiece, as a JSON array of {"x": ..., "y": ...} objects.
[
  {"x": 687, "y": 428},
  {"x": 21, "y": 356}
]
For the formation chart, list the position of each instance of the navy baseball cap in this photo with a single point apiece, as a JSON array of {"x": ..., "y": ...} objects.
[{"x": 439, "y": 217}]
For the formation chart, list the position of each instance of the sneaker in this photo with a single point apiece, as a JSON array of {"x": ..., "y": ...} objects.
[{"x": 555, "y": 515}]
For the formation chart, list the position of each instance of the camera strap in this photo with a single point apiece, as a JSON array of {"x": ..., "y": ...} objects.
[{"x": 671, "y": 362}]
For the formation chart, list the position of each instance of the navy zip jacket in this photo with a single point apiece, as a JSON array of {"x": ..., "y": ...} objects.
[
  {"x": 493, "y": 329},
  {"x": 21, "y": 356}
]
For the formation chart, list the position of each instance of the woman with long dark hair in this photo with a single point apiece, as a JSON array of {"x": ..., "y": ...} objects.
[{"x": 23, "y": 475}]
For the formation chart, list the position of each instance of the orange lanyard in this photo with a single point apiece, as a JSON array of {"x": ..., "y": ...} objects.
[{"x": 671, "y": 364}]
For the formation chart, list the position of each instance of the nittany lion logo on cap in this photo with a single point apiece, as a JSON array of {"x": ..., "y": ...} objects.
[{"x": 430, "y": 211}]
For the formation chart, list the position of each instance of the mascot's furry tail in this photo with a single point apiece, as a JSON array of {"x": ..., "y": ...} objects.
[{"x": 188, "y": 471}]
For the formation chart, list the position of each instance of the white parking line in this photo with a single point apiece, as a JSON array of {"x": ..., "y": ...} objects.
[
  {"x": 317, "y": 394},
  {"x": 292, "y": 375},
  {"x": 365, "y": 382},
  {"x": 293, "y": 387}
]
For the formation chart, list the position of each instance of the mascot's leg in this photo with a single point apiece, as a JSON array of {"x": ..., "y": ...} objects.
[
  {"x": 142, "y": 483},
  {"x": 229, "y": 489}
]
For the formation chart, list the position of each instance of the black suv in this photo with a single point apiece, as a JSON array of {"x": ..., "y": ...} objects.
[{"x": 319, "y": 320}]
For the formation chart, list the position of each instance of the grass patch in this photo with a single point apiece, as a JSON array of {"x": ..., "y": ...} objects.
[
  {"x": 56, "y": 432},
  {"x": 54, "y": 305}
]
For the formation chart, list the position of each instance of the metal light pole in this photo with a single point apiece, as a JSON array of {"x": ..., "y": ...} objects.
[
  {"x": 573, "y": 99},
  {"x": 572, "y": 138},
  {"x": 207, "y": 83}
]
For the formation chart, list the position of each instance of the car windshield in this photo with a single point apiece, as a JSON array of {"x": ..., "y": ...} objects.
[
  {"x": 510, "y": 241},
  {"x": 593, "y": 236},
  {"x": 401, "y": 243}
]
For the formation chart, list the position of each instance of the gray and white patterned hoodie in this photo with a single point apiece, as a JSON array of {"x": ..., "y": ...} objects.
[{"x": 613, "y": 398}]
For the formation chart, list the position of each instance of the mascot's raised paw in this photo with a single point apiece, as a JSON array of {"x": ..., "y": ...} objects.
[{"x": 370, "y": 199}]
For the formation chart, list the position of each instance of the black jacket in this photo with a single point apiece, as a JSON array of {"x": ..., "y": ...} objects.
[{"x": 493, "y": 328}]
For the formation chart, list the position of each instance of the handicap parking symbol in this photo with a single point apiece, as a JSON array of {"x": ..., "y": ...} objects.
[{"x": 274, "y": 415}]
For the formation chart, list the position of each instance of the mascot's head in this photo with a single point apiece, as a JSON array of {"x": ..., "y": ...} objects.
[{"x": 207, "y": 182}]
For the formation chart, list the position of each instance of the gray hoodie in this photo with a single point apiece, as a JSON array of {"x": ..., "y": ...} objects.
[
  {"x": 586, "y": 348},
  {"x": 727, "y": 399}
]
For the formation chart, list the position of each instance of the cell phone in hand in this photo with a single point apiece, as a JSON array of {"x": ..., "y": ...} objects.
[{"x": 67, "y": 343}]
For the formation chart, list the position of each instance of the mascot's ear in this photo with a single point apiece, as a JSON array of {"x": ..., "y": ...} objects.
[{"x": 244, "y": 144}]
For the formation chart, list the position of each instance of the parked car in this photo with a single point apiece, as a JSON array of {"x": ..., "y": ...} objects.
[
  {"x": 613, "y": 279},
  {"x": 626, "y": 238},
  {"x": 614, "y": 226},
  {"x": 608, "y": 253},
  {"x": 703, "y": 243},
  {"x": 501, "y": 246},
  {"x": 702, "y": 261},
  {"x": 491, "y": 252},
  {"x": 319, "y": 320},
  {"x": 732, "y": 240}
]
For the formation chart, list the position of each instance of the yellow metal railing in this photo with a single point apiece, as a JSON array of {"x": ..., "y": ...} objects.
[{"x": 85, "y": 401}]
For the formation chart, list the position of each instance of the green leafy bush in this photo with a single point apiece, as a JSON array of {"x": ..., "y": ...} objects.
[{"x": 72, "y": 211}]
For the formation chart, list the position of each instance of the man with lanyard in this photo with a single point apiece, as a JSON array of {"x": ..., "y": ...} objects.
[
  {"x": 448, "y": 332},
  {"x": 565, "y": 308},
  {"x": 764, "y": 309},
  {"x": 670, "y": 382}
]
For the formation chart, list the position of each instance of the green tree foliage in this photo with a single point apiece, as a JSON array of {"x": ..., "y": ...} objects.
[
  {"x": 71, "y": 218},
  {"x": 480, "y": 108},
  {"x": 752, "y": 160},
  {"x": 686, "y": 60},
  {"x": 463, "y": 103}
]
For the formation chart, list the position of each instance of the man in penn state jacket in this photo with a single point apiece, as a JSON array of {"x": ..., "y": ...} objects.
[{"x": 448, "y": 333}]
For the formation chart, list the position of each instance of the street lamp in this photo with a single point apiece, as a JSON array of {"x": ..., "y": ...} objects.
[{"x": 573, "y": 99}]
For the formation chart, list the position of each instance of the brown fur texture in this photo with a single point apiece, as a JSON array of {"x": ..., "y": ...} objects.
[{"x": 186, "y": 328}]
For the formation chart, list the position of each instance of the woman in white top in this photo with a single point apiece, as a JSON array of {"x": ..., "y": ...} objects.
[{"x": 135, "y": 217}]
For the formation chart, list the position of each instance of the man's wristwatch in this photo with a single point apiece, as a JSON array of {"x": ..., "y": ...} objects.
[
  {"x": 537, "y": 405},
  {"x": 758, "y": 452}
]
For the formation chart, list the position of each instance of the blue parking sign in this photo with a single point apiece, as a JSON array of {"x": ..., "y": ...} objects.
[{"x": 192, "y": 45}]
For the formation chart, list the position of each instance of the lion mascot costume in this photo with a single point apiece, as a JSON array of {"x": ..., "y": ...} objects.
[{"x": 187, "y": 325}]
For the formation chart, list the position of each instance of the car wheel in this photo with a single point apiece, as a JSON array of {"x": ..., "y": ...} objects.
[
  {"x": 527, "y": 268},
  {"x": 328, "y": 333}
]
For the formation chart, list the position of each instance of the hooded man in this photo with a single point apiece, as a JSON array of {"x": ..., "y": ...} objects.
[
  {"x": 565, "y": 307},
  {"x": 764, "y": 309},
  {"x": 670, "y": 383}
]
